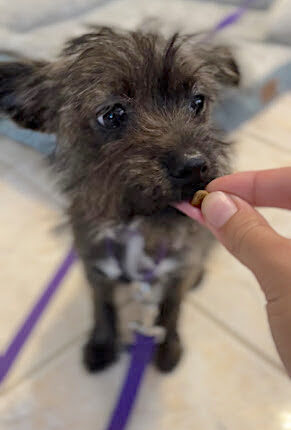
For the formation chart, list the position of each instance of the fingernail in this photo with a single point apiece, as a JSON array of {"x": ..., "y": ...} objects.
[{"x": 218, "y": 208}]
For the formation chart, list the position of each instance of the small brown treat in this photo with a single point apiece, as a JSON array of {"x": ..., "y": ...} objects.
[{"x": 198, "y": 198}]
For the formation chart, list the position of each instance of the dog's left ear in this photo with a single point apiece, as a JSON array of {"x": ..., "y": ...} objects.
[
  {"x": 222, "y": 65},
  {"x": 28, "y": 94}
]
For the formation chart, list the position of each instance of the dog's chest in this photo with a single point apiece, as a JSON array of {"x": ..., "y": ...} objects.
[{"x": 125, "y": 260}]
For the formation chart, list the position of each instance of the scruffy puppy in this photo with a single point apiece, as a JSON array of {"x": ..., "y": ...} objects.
[{"x": 131, "y": 112}]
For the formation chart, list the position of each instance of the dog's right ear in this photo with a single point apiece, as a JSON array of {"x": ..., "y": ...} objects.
[
  {"x": 28, "y": 94},
  {"x": 220, "y": 63}
]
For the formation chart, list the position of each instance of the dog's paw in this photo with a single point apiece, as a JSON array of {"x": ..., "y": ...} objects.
[
  {"x": 98, "y": 356},
  {"x": 169, "y": 354}
]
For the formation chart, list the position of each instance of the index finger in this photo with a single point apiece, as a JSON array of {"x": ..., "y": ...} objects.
[{"x": 269, "y": 188}]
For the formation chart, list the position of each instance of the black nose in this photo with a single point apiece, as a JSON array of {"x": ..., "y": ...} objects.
[{"x": 186, "y": 170}]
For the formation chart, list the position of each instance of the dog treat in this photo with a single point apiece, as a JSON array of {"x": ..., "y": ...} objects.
[{"x": 198, "y": 198}]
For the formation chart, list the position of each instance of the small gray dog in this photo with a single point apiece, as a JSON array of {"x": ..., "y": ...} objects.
[{"x": 131, "y": 112}]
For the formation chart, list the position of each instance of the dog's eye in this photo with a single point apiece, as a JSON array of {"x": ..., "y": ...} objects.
[
  {"x": 197, "y": 104},
  {"x": 113, "y": 118}
]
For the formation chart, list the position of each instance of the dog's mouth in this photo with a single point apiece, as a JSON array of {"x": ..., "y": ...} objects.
[
  {"x": 158, "y": 205},
  {"x": 186, "y": 196},
  {"x": 188, "y": 192}
]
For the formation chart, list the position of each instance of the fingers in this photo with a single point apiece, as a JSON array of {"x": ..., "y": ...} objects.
[
  {"x": 247, "y": 235},
  {"x": 261, "y": 188}
]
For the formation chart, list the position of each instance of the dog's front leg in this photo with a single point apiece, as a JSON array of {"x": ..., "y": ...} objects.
[
  {"x": 102, "y": 347},
  {"x": 170, "y": 350}
]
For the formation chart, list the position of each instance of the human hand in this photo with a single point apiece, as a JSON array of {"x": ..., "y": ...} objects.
[{"x": 228, "y": 211}]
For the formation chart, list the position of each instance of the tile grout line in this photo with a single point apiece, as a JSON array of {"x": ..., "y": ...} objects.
[
  {"x": 234, "y": 334},
  {"x": 42, "y": 364}
]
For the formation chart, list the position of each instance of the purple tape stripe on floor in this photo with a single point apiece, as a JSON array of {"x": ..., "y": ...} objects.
[
  {"x": 29, "y": 323},
  {"x": 233, "y": 17}
]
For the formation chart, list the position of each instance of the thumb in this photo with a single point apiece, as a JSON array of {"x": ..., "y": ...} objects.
[{"x": 245, "y": 233}]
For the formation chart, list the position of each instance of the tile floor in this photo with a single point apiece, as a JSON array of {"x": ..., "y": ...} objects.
[{"x": 231, "y": 377}]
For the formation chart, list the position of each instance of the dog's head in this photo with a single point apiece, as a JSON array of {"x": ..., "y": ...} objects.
[{"x": 132, "y": 115}]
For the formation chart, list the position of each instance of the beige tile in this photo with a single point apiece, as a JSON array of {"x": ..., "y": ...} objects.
[
  {"x": 279, "y": 220},
  {"x": 273, "y": 125},
  {"x": 231, "y": 296},
  {"x": 252, "y": 153},
  {"x": 230, "y": 386},
  {"x": 30, "y": 251},
  {"x": 219, "y": 385},
  {"x": 17, "y": 154},
  {"x": 29, "y": 172},
  {"x": 37, "y": 187}
]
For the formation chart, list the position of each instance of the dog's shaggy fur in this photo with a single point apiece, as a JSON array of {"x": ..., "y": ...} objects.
[{"x": 119, "y": 169}]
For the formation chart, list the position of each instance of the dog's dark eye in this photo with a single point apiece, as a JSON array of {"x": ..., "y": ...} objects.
[
  {"x": 113, "y": 118},
  {"x": 197, "y": 104}
]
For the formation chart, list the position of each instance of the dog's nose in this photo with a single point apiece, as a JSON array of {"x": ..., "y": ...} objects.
[{"x": 187, "y": 170}]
